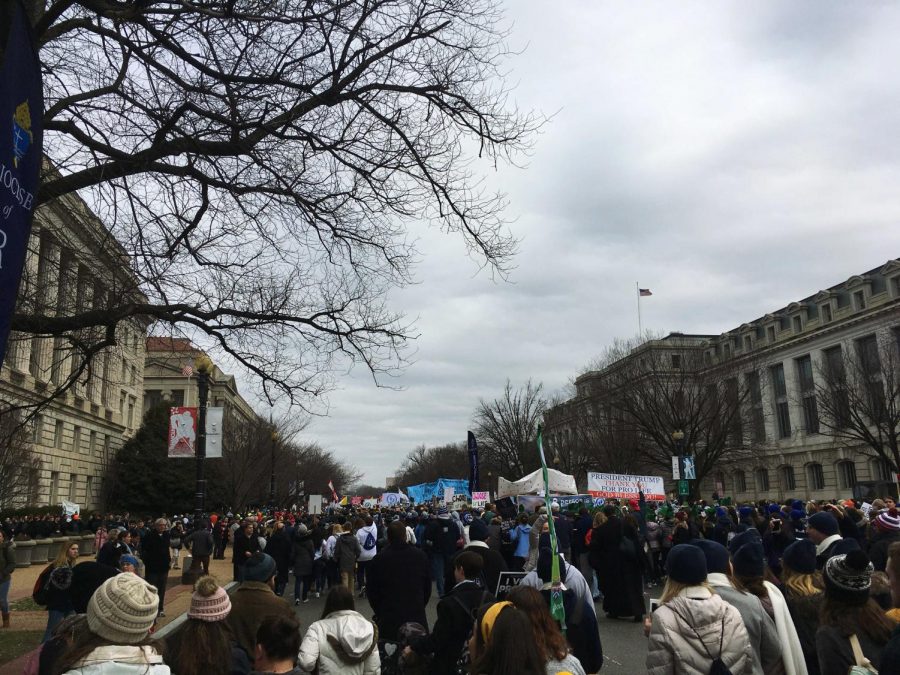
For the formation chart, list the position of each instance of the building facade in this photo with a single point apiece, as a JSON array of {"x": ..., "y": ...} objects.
[
  {"x": 73, "y": 265},
  {"x": 784, "y": 360},
  {"x": 170, "y": 375}
]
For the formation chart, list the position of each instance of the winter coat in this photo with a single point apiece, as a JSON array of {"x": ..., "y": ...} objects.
[
  {"x": 441, "y": 535},
  {"x": 674, "y": 646},
  {"x": 520, "y": 537},
  {"x": 121, "y": 660},
  {"x": 563, "y": 525},
  {"x": 878, "y": 548},
  {"x": 654, "y": 535},
  {"x": 805, "y": 615},
  {"x": 346, "y": 552},
  {"x": 155, "y": 552},
  {"x": 200, "y": 542},
  {"x": 836, "y": 654},
  {"x": 582, "y": 526},
  {"x": 455, "y": 617},
  {"x": 252, "y": 602},
  {"x": 398, "y": 587},
  {"x": 242, "y": 545},
  {"x": 367, "y": 535},
  {"x": 342, "y": 643},
  {"x": 280, "y": 548},
  {"x": 7, "y": 560},
  {"x": 791, "y": 650},
  {"x": 302, "y": 554},
  {"x": 494, "y": 564}
]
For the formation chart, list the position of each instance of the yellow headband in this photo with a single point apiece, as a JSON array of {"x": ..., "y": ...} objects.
[{"x": 490, "y": 616}]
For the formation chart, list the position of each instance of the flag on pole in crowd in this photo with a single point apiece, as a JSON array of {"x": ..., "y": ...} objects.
[
  {"x": 333, "y": 493},
  {"x": 644, "y": 292},
  {"x": 557, "y": 609},
  {"x": 473, "y": 463}
]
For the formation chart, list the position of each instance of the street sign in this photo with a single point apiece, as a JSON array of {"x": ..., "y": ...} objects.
[
  {"x": 676, "y": 467},
  {"x": 684, "y": 488}
]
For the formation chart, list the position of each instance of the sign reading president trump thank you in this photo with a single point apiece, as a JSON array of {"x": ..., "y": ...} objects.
[{"x": 624, "y": 486}]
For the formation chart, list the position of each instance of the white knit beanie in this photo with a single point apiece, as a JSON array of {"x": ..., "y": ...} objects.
[{"x": 123, "y": 609}]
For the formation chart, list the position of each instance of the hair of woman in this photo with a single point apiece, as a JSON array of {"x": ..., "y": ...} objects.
[
  {"x": 506, "y": 653},
  {"x": 599, "y": 519},
  {"x": 673, "y": 588},
  {"x": 339, "y": 599},
  {"x": 801, "y": 585},
  {"x": 201, "y": 647},
  {"x": 62, "y": 557},
  {"x": 544, "y": 630},
  {"x": 869, "y": 619}
]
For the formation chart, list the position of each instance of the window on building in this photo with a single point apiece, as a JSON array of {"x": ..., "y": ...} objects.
[
  {"x": 107, "y": 442},
  {"x": 740, "y": 481},
  {"x": 719, "y": 483},
  {"x": 732, "y": 398},
  {"x": 89, "y": 490},
  {"x": 58, "y": 434},
  {"x": 37, "y": 430},
  {"x": 826, "y": 312},
  {"x": 58, "y": 359},
  {"x": 788, "y": 480},
  {"x": 782, "y": 410},
  {"x": 762, "y": 480},
  {"x": 870, "y": 364},
  {"x": 798, "y": 324},
  {"x": 815, "y": 476},
  {"x": 859, "y": 300},
  {"x": 92, "y": 446},
  {"x": 757, "y": 419},
  {"x": 895, "y": 286},
  {"x": 748, "y": 343},
  {"x": 131, "y": 403},
  {"x": 846, "y": 471},
  {"x": 676, "y": 361},
  {"x": 770, "y": 333},
  {"x": 880, "y": 470},
  {"x": 808, "y": 394},
  {"x": 177, "y": 398},
  {"x": 76, "y": 439},
  {"x": 73, "y": 487},
  {"x": 34, "y": 363},
  {"x": 835, "y": 373}
]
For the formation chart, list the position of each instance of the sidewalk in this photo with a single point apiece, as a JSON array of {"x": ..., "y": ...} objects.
[{"x": 177, "y": 602}]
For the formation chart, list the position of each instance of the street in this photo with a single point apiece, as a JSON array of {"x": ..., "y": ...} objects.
[{"x": 624, "y": 644}]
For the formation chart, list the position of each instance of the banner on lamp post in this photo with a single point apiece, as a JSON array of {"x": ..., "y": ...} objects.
[
  {"x": 214, "y": 421},
  {"x": 182, "y": 432}
]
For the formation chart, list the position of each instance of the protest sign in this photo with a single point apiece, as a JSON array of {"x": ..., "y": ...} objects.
[
  {"x": 624, "y": 486},
  {"x": 480, "y": 499},
  {"x": 507, "y": 581}
]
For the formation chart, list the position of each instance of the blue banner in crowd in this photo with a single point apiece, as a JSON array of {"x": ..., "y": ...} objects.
[
  {"x": 426, "y": 491},
  {"x": 21, "y": 143},
  {"x": 473, "y": 463}
]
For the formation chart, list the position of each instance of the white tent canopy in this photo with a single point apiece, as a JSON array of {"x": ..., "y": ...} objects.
[{"x": 533, "y": 484}]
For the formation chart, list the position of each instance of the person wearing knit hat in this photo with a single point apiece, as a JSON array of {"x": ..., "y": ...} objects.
[
  {"x": 689, "y": 607},
  {"x": 120, "y": 616},
  {"x": 205, "y": 644},
  {"x": 824, "y": 531},
  {"x": 884, "y": 531},
  {"x": 254, "y": 599},
  {"x": 849, "y": 612},
  {"x": 760, "y": 628},
  {"x": 804, "y": 597}
]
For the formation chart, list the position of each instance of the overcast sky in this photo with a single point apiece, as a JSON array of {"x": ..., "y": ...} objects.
[{"x": 732, "y": 157}]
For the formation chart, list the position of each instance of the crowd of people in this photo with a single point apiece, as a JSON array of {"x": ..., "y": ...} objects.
[{"x": 795, "y": 588}]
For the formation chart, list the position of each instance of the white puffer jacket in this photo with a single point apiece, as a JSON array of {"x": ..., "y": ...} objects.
[
  {"x": 343, "y": 642},
  {"x": 674, "y": 647},
  {"x": 121, "y": 660}
]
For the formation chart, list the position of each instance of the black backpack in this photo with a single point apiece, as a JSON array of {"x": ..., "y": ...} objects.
[{"x": 717, "y": 665}]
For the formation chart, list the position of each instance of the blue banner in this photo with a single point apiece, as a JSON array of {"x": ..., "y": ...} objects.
[
  {"x": 21, "y": 144},
  {"x": 473, "y": 463},
  {"x": 426, "y": 491}
]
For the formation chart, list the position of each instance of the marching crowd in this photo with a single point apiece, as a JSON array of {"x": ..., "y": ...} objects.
[{"x": 761, "y": 588}]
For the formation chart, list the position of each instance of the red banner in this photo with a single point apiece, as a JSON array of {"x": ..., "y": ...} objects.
[{"x": 182, "y": 432}]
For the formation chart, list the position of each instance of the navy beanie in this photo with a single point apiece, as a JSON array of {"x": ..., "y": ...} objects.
[
  {"x": 478, "y": 531},
  {"x": 745, "y": 511},
  {"x": 686, "y": 564},
  {"x": 748, "y": 536},
  {"x": 749, "y": 560},
  {"x": 773, "y": 508},
  {"x": 801, "y": 556},
  {"x": 824, "y": 522},
  {"x": 259, "y": 567},
  {"x": 716, "y": 555}
]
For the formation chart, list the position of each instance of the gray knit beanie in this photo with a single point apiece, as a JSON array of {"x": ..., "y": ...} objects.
[{"x": 123, "y": 609}]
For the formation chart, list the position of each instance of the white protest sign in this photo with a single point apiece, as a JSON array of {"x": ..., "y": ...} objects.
[
  {"x": 624, "y": 486},
  {"x": 480, "y": 499},
  {"x": 448, "y": 495},
  {"x": 865, "y": 507}
]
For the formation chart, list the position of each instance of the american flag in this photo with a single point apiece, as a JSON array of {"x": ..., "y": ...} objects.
[
  {"x": 644, "y": 292},
  {"x": 187, "y": 371}
]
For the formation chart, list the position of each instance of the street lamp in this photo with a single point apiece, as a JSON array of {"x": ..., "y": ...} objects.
[
  {"x": 491, "y": 482},
  {"x": 204, "y": 367},
  {"x": 678, "y": 438},
  {"x": 272, "y": 480}
]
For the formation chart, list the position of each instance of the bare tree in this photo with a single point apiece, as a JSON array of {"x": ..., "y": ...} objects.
[
  {"x": 258, "y": 164},
  {"x": 857, "y": 395},
  {"x": 19, "y": 466},
  {"x": 425, "y": 464},
  {"x": 506, "y": 429}
]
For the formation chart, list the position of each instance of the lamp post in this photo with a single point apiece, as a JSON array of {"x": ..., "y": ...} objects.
[
  {"x": 491, "y": 483},
  {"x": 204, "y": 367},
  {"x": 272, "y": 479}
]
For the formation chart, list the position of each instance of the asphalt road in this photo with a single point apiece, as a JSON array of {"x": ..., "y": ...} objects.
[{"x": 624, "y": 644}]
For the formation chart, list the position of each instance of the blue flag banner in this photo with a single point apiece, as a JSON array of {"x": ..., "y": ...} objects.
[
  {"x": 21, "y": 143},
  {"x": 426, "y": 491},
  {"x": 473, "y": 463}
]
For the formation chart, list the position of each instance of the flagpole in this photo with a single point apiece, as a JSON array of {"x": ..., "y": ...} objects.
[{"x": 640, "y": 324}]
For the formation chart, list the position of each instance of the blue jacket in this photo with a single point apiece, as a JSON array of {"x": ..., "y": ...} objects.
[{"x": 520, "y": 537}]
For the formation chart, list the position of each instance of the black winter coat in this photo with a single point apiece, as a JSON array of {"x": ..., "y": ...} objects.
[
  {"x": 279, "y": 547},
  {"x": 155, "y": 552},
  {"x": 878, "y": 548},
  {"x": 302, "y": 553},
  {"x": 398, "y": 586},
  {"x": 494, "y": 564},
  {"x": 243, "y": 544}
]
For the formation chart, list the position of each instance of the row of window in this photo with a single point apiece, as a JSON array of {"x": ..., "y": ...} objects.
[
  {"x": 815, "y": 477},
  {"x": 72, "y": 494},
  {"x": 95, "y": 440}
]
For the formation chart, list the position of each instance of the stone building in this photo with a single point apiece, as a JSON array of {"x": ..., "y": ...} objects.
[
  {"x": 783, "y": 359},
  {"x": 73, "y": 264},
  {"x": 170, "y": 375}
]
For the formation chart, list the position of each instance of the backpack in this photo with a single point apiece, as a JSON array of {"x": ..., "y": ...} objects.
[
  {"x": 464, "y": 661},
  {"x": 41, "y": 591},
  {"x": 369, "y": 544},
  {"x": 717, "y": 666}
]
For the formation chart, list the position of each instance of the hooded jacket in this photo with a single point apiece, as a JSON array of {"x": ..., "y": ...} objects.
[
  {"x": 362, "y": 535},
  {"x": 121, "y": 660},
  {"x": 342, "y": 643},
  {"x": 674, "y": 645},
  {"x": 346, "y": 552}
]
